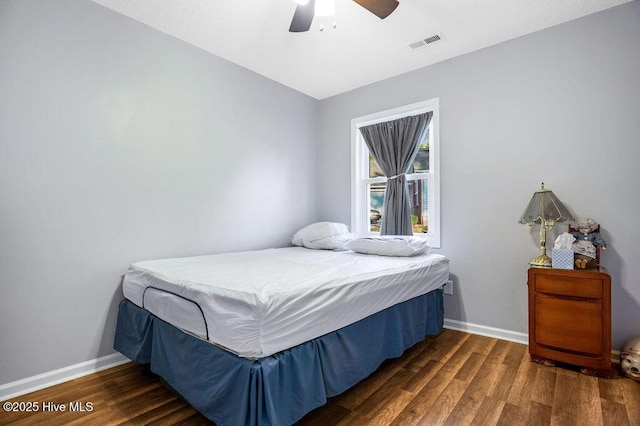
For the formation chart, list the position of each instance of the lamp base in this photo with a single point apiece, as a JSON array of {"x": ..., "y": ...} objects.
[{"x": 542, "y": 261}]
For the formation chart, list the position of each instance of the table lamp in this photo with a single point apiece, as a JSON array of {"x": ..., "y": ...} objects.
[{"x": 545, "y": 209}]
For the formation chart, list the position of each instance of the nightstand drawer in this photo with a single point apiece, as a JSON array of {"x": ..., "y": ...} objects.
[
  {"x": 573, "y": 325},
  {"x": 569, "y": 286}
]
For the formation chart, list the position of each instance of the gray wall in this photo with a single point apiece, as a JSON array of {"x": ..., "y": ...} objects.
[
  {"x": 559, "y": 106},
  {"x": 117, "y": 144}
]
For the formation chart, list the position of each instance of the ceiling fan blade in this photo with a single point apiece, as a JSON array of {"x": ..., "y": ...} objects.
[
  {"x": 302, "y": 17},
  {"x": 380, "y": 8}
]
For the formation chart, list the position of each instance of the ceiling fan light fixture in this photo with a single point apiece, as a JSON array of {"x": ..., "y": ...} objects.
[
  {"x": 325, "y": 7},
  {"x": 306, "y": 10}
]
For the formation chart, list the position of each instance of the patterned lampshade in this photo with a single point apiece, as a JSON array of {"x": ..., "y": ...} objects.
[{"x": 545, "y": 205}]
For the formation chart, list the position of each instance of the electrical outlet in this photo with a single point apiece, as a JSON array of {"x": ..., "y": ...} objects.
[{"x": 448, "y": 288}]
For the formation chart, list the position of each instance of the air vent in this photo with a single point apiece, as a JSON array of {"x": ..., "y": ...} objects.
[
  {"x": 432, "y": 39},
  {"x": 427, "y": 40}
]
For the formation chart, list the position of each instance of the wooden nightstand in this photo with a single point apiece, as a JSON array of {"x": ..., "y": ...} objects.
[{"x": 570, "y": 318}]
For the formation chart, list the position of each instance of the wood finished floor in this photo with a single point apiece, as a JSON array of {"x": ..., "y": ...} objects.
[{"x": 452, "y": 379}]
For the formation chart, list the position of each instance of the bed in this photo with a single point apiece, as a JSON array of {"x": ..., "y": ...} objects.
[{"x": 263, "y": 337}]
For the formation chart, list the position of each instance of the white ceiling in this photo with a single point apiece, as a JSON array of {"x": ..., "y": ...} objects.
[{"x": 362, "y": 49}]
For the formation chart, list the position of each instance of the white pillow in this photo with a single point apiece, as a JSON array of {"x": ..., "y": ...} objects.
[
  {"x": 322, "y": 235},
  {"x": 333, "y": 242},
  {"x": 390, "y": 245}
]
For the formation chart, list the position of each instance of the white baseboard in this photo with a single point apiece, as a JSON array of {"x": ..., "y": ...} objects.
[
  {"x": 498, "y": 333},
  {"x": 483, "y": 330},
  {"x": 44, "y": 380}
]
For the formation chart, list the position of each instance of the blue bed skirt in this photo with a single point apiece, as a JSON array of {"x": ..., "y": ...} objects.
[{"x": 279, "y": 389}]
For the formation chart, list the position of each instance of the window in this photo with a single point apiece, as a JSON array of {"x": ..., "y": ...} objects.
[{"x": 368, "y": 182}]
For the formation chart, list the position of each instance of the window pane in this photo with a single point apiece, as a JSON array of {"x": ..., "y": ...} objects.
[
  {"x": 374, "y": 170},
  {"x": 376, "y": 198},
  {"x": 421, "y": 162},
  {"x": 419, "y": 192},
  {"x": 419, "y": 197}
]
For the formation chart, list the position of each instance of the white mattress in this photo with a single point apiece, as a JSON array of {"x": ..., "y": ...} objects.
[{"x": 257, "y": 303}]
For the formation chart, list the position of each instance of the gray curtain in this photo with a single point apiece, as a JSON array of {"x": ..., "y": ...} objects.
[{"x": 394, "y": 145}]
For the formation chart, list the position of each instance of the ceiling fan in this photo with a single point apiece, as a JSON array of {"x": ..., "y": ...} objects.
[{"x": 305, "y": 12}]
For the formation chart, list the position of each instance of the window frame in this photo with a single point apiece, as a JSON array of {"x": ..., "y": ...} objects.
[{"x": 360, "y": 167}]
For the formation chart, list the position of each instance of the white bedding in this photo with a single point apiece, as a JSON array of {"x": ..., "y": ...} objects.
[{"x": 257, "y": 303}]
